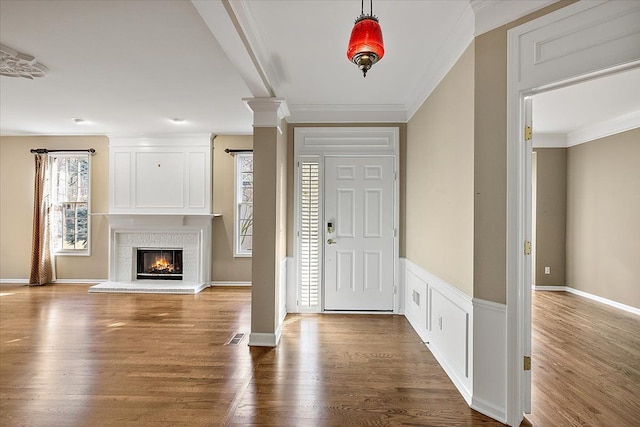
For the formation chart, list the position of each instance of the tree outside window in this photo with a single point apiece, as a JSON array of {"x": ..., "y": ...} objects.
[
  {"x": 244, "y": 205},
  {"x": 70, "y": 188}
]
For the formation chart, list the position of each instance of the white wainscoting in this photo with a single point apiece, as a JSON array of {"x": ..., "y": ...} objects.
[
  {"x": 489, "y": 359},
  {"x": 442, "y": 316},
  {"x": 282, "y": 298},
  {"x": 467, "y": 337}
]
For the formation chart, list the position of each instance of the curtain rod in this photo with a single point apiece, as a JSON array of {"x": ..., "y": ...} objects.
[
  {"x": 91, "y": 151},
  {"x": 244, "y": 150}
]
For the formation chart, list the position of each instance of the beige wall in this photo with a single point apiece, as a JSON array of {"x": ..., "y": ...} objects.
[
  {"x": 439, "y": 173},
  {"x": 264, "y": 265},
  {"x": 490, "y": 166},
  {"x": 603, "y": 212},
  {"x": 226, "y": 267},
  {"x": 551, "y": 215},
  {"x": 16, "y": 207}
]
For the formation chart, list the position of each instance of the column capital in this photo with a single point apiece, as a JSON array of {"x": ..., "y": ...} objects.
[{"x": 267, "y": 112}]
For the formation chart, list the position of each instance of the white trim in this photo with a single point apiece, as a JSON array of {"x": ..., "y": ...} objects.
[
  {"x": 58, "y": 281},
  {"x": 602, "y": 300},
  {"x": 219, "y": 18},
  {"x": 357, "y": 113},
  {"x": 267, "y": 112},
  {"x": 491, "y": 14},
  {"x": 450, "y": 51},
  {"x": 549, "y": 288},
  {"x": 489, "y": 354},
  {"x": 580, "y": 41},
  {"x": 228, "y": 283},
  {"x": 549, "y": 140},
  {"x": 282, "y": 302},
  {"x": 259, "y": 339},
  {"x": 603, "y": 129}
]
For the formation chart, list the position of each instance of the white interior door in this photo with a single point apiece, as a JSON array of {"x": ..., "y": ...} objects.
[{"x": 359, "y": 233}]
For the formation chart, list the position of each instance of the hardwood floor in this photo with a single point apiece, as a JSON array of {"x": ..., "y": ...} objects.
[
  {"x": 585, "y": 363},
  {"x": 69, "y": 358}
]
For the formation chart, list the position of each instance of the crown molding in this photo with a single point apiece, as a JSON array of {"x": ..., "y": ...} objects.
[
  {"x": 490, "y": 14},
  {"x": 450, "y": 52},
  {"x": 603, "y": 129},
  {"x": 587, "y": 133},
  {"x": 351, "y": 113}
]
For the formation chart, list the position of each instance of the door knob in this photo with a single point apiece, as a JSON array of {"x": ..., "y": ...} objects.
[{"x": 331, "y": 242}]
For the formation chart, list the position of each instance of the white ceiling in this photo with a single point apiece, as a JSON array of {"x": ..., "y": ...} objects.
[
  {"x": 128, "y": 67},
  {"x": 586, "y": 111}
]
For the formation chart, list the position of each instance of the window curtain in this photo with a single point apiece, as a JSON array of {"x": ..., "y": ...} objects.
[{"x": 41, "y": 259}]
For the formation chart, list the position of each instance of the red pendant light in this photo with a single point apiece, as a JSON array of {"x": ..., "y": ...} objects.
[{"x": 365, "y": 45}]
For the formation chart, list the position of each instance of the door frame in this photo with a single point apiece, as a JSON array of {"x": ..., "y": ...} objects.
[
  {"x": 321, "y": 142},
  {"x": 543, "y": 55}
]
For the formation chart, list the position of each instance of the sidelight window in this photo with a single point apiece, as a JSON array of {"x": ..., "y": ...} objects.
[{"x": 309, "y": 234}]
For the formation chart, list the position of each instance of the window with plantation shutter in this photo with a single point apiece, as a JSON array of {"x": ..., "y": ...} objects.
[{"x": 309, "y": 235}]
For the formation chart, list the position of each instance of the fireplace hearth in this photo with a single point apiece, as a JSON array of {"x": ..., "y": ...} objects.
[{"x": 159, "y": 264}]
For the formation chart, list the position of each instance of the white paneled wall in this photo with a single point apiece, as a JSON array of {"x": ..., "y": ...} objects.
[
  {"x": 160, "y": 175},
  {"x": 467, "y": 336}
]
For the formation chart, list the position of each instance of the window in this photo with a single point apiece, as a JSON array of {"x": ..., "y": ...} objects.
[
  {"x": 70, "y": 188},
  {"x": 244, "y": 205}
]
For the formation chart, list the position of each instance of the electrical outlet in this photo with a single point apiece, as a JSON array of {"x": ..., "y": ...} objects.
[{"x": 547, "y": 270}]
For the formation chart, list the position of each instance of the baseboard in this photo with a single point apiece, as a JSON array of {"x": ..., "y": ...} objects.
[
  {"x": 258, "y": 339},
  {"x": 229, "y": 283},
  {"x": 59, "y": 281},
  {"x": 488, "y": 409},
  {"x": 612, "y": 303},
  {"x": 549, "y": 288},
  {"x": 14, "y": 281}
]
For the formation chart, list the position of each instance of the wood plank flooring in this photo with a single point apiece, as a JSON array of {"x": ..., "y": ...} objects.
[
  {"x": 585, "y": 363},
  {"x": 69, "y": 358}
]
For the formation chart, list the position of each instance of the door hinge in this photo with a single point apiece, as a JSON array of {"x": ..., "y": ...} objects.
[
  {"x": 527, "y": 363},
  {"x": 527, "y": 133},
  {"x": 395, "y": 289},
  {"x": 395, "y": 232},
  {"x": 527, "y": 248}
]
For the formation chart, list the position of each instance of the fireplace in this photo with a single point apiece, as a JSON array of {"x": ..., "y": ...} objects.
[{"x": 159, "y": 263}]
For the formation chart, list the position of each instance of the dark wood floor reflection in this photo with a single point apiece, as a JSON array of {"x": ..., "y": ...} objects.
[
  {"x": 69, "y": 358},
  {"x": 585, "y": 361}
]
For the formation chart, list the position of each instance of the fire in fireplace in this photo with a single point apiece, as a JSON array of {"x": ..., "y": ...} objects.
[{"x": 159, "y": 264}]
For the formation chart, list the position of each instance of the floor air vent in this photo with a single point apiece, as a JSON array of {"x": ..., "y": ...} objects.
[{"x": 236, "y": 339}]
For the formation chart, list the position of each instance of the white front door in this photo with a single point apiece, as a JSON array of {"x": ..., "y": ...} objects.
[{"x": 359, "y": 233}]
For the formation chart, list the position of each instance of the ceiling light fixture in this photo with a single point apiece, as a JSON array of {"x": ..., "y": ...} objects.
[
  {"x": 16, "y": 64},
  {"x": 365, "y": 45},
  {"x": 78, "y": 120},
  {"x": 177, "y": 121}
]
